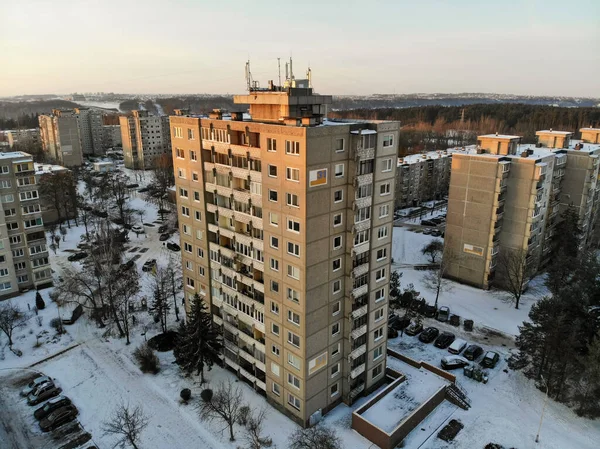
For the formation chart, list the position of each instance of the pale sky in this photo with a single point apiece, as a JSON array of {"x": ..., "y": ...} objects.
[{"x": 536, "y": 47}]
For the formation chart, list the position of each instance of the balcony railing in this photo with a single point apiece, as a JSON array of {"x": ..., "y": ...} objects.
[
  {"x": 361, "y": 311},
  {"x": 357, "y": 390},
  {"x": 357, "y": 371},
  {"x": 358, "y": 352},
  {"x": 359, "y": 291},
  {"x": 359, "y": 332}
]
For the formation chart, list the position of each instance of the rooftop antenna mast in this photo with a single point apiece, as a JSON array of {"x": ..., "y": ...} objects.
[
  {"x": 248, "y": 76},
  {"x": 279, "y": 70}
]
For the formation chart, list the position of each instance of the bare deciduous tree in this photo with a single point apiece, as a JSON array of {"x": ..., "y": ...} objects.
[
  {"x": 127, "y": 424},
  {"x": 227, "y": 405},
  {"x": 514, "y": 273},
  {"x": 435, "y": 280},
  {"x": 433, "y": 250},
  {"x": 254, "y": 429},
  {"x": 11, "y": 318},
  {"x": 317, "y": 437}
]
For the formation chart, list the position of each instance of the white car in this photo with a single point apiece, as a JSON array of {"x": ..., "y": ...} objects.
[
  {"x": 457, "y": 346},
  {"x": 453, "y": 361},
  {"x": 137, "y": 229},
  {"x": 34, "y": 384}
]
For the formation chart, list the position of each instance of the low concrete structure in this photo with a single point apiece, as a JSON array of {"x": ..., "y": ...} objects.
[{"x": 104, "y": 167}]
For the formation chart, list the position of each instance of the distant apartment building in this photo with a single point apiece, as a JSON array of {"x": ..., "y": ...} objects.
[
  {"x": 59, "y": 133},
  {"x": 422, "y": 177},
  {"x": 91, "y": 131},
  {"x": 111, "y": 137},
  {"x": 286, "y": 227},
  {"x": 23, "y": 137},
  {"x": 507, "y": 196},
  {"x": 49, "y": 213},
  {"x": 144, "y": 138},
  {"x": 24, "y": 256},
  {"x": 590, "y": 135}
]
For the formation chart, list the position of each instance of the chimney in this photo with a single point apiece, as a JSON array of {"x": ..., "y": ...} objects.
[
  {"x": 496, "y": 132},
  {"x": 550, "y": 129}
]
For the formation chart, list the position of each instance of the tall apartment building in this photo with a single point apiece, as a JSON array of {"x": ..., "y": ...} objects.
[
  {"x": 111, "y": 136},
  {"x": 144, "y": 138},
  {"x": 422, "y": 177},
  {"x": 23, "y": 137},
  {"x": 508, "y": 196},
  {"x": 91, "y": 130},
  {"x": 24, "y": 260},
  {"x": 286, "y": 228},
  {"x": 59, "y": 133}
]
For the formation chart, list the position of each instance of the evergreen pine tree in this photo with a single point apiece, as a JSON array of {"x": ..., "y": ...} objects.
[
  {"x": 564, "y": 258},
  {"x": 395, "y": 289},
  {"x": 199, "y": 343},
  {"x": 39, "y": 301}
]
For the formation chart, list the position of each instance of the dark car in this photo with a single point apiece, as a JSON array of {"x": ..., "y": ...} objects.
[
  {"x": 143, "y": 189},
  {"x": 50, "y": 406},
  {"x": 413, "y": 329},
  {"x": 162, "y": 229},
  {"x": 443, "y": 314},
  {"x": 473, "y": 352},
  {"x": 77, "y": 256},
  {"x": 164, "y": 237},
  {"x": 427, "y": 223},
  {"x": 58, "y": 417},
  {"x": 444, "y": 340},
  {"x": 128, "y": 265},
  {"x": 392, "y": 333},
  {"x": 43, "y": 392},
  {"x": 399, "y": 322},
  {"x": 149, "y": 265},
  {"x": 173, "y": 246},
  {"x": 453, "y": 361},
  {"x": 429, "y": 334},
  {"x": 132, "y": 186},
  {"x": 490, "y": 359}
]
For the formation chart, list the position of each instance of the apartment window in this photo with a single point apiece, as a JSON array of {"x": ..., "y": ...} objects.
[
  {"x": 337, "y": 308},
  {"x": 190, "y": 282},
  {"x": 190, "y": 134},
  {"x": 378, "y": 334},
  {"x": 388, "y": 140},
  {"x": 335, "y": 329},
  {"x": 18, "y": 252},
  {"x": 292, "y": 174},
  {"x": 339, "y": 145},
  {"x": 271, "y": 144},
  {"x": 276, "y": 389},
  {"x": 187, "y": 247},
  {"x": 334, "y": 390},
  {"x": 272, "y": 171},
  {"x": 275, "y": 350},
  {"x": 195, "y": 176},
  {"x": 382, "y": 232},
  {"x": 189, "y": 265},
  {"x": 5, "y": 169},
  {"x": 378, "y": 352},
  {"x": 379, "y": 314},
  {"x": 274, "y": 286},
  {"x": 13, "y": 225},
  {"x": 198, "y": 215},
  {"x": 362, "y": 214},
  {"x": 380, "y": 295},
  {"x": 293, "y": 317},
  {"x": 181, "y": 173},
  {"x": 199, "y": 234},
  {"x": 361, "y": 237},
  {"x": 193, "y": 155},
  {"x": 293, "y": 272},
  {"x": 337, "y": 242},
  {"x": 274, "y": 242},
  {"x": 336, "y": 350},
  {"x": 292, "y": 147},
  {"x": 386, "y": 165},
  {"x": 274, "y": 264},
  {"x": 376, "y": 372},
  {"x": 5, "y": 286},
  {"x": 293, "y": 360},
  {"x": 5, "y": 184},
  {"x": 293, "y": 225},
  {"x": 293, "y": 295},
  {"x": 381, "y": 254},
  {"x": 384, "y": 189},
  {"x": 384, "y": 210},
  {"x": 200, "y": 253},
  {"x": 338, "y": 196},
  {"x": 10, "y": 212},
  {"x": 337, "y": 220},
  {"x": 183, "y": 193},
  {"x": 293, "y": 401},
  {"x": 339, "y": 170},
  {"x": 337, "y": 286},
  {"x": 292, "y": 200},
  {"x": 274, "y": 329},
  {"x": 178, "y": 131},
  {"x": 32, "y": 195},
  {"x": 380, "y": 275},
  {"x": 274, "y": 219},
  {"x": 22, "y": 279},
  {"x": 294, "y": 249},
  {"x": 336, "y": 264},
  {"x": 32, "y": 223},
  {"x": 185, "y": 211},
  {"x": 8, "y": 198},
  {"x": 272, "y": 195},
  {"x": 335, "y": 370},
  {"x": 274, "y": 308},
  {"x": 293, "y": 339},
  {"x": 275, "y": 369},
  {"x": 31, "y": 209},
  {"x": 186, "y": 229},
  {"x": 180, "y": 153},
  {"x": 3, "y": 272}
]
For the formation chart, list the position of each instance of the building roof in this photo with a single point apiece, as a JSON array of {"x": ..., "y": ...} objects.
[
  {"x": 41, "y": 169},
  {"x": 589, "y": 129},
  {"x": 14, "y": 154},
  {"x": 551, "y": 131},
  {"x": 499, "y": 136}
]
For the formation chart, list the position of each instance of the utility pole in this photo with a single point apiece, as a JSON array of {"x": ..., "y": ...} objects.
[{"x": 537, "y": 437}]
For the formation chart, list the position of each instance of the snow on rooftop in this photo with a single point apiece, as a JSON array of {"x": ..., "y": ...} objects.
[
  {"x": 498, "y": 136},
  {"x": 14, "y": 154},
  {"x": 47, "y": 168},
  {"x": 551, "y": 131},
  {"x": 365, "y": 131}
]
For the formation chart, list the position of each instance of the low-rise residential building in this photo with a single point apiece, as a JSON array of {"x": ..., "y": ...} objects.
[
  {"x": 24, "y": 258},
  {"x": 144, "y": 138},
  {"x": 23, "y": 137},
  {"x": 590, "y": 135}
]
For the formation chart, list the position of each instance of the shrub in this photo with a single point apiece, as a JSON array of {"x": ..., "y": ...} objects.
[
  {"x": 206, "y": 395},
  {"x": 146, "y": 358},
  {"x": 186, "y": 394},
  {"x": 39, "y": 301},
  {"x": 56, "y": 323},
  {"x": 243, "y": 415}
]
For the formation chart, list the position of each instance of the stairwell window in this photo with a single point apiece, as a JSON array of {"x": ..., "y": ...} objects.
[
  {"x": 335, "y": 329},
  {"x": 272, "y": 171},
  {"x": 338, "y": 196},
  {"x": 376, "y": 372},
  {"x": 388, "y": 140},
  {"x": 380, "y": 275},
  {"x": 379, "y": 314},
  {"x": 378, "y": 352},
  {"x": 382, "y": 232},
  {"x": 385, "y": 189},
  {"x": 380, "y": 295},
  {"x": 378, "y": 334},
  {"x": 336, "y": 286},
  {"x": 384, "y": 210},
  {"x": 386, "y": 165},
  {"x": 335, "y": 370},
  {"x": 337, "y": 242},
  {"x": 336, "y": 264}
]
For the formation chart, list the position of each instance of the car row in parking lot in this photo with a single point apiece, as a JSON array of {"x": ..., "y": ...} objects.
[{"x": 56, "y": 411}]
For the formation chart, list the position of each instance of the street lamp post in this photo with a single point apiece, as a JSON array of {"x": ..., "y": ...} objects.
[{"x": 537, "y": 437}]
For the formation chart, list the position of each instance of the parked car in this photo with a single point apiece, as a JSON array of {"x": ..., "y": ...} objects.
[
  {"x": 473, "y": 352},
  {"x": 164, "y": 237},
  {"x": 31, "y": 386},
  {"x": 45, "y": 391},
  {"x": 149, "y": 265},
  {"x": 132, "y": 186},
  {"x": 427, "y": 231},
  {"x": 77, "y": 256},
  {"x": 50, "y": 406},
  {"x": 58, "y": 417},
  {"x": 427, "y": 223},
  {"x": 128, "y": 265},
  {"x": 457, "y": 346},
  {"x": 83, "y": 245},
  {"x": 453, "y": 361},
  {"x": 392, "y": 333},
  {"x": 444, "y": 340},
  {"x": 443, "y": 314},
  {"x": 436, "y": 233},
  {"x": 414, "y": 329},
  {"x": 490, "y": 359},
  {"x": 162, "y": 229},
  {"x": 399, "y": 322},
  {"x": 429, "y": 334},
  {"x": 173, "y": 246},
  {"x": 143, "y": 189},
  {"x": 137, "y": 229}
]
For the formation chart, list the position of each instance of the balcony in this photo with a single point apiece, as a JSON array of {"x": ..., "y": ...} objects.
[
  {"x": 362, "y": 202},
  {"x": 357, "y": 371},
  {"x": 360, "y": 291},
  {"x": 358, "y": 332},
  {"x": 361, "y": 311},
  {"x": 362, "y": 180},
  {"x": 365, "y": 153},
  {"x": 360, "y": 248},
  {"x": 357, "y": 390},
  {"x": 360, "y": 270},
  {"x": 217, "y": 320},
  {"x": 358, "y": 352}
]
